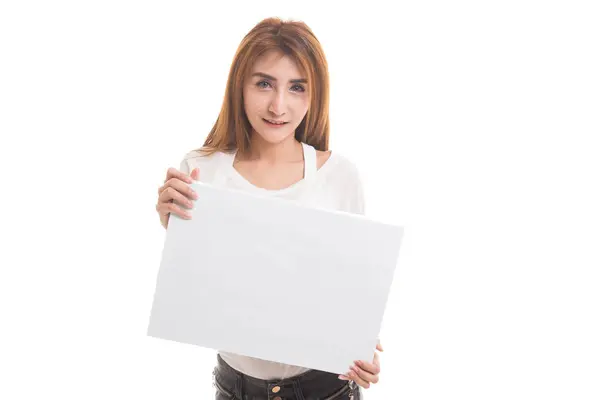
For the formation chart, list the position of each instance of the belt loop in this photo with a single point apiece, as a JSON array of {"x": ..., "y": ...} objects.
[
  {"x": 239, "y": 386},
  {"x": 298, "y": 389}
]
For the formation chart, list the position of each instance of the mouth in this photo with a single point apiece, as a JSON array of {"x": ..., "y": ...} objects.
[{"x": 274, "y": 122}]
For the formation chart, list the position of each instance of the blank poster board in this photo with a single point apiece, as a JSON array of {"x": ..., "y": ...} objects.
[{"x": 271, "y": 279}]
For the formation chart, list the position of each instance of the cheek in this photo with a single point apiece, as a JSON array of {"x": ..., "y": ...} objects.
[
  {"x": 255, "y": 103},
  {"x": 301, "y": 106}
]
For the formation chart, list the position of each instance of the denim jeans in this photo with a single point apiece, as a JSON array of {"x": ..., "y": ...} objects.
[{"x": 231, "y": 384}]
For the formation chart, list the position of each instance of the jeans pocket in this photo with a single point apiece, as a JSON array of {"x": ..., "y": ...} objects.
[{"x": 222, "y": 392}]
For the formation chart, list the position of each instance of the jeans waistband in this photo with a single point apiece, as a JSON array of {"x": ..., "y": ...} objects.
[{"x": 313, "y": 384}]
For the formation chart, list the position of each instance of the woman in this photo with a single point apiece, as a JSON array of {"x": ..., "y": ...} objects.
[{"x": 271, "y": 138}]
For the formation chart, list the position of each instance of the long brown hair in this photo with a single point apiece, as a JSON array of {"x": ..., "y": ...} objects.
[{"x": 232, "y": 129}]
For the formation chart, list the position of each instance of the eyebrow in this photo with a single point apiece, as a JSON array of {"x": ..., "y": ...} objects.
[{"x": 272, "y": 78}]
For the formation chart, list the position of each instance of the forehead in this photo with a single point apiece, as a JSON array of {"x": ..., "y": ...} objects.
[{"x": 278, "y": 64}]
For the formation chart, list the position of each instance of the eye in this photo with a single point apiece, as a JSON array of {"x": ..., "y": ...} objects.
[
  {"x": 298, "y": 88},
  {"x": 263, "y": 84}
]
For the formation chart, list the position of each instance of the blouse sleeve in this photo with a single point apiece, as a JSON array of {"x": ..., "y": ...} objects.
[
  {"x": 357, "y": 205},
  {"x": 355, "y": 196}
]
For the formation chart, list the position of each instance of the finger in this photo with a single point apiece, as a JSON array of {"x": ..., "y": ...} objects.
[
  {"x": 171, "y": 208},
  {"x": 179, "y": 186},
  {"x": 368, "y": 378},
  {"x": 175, "y": 173},
  {"x": 378, "y": 347},
  {"x": 365, "y": 375},
  {"x": 372, "y": 368},
  {"x": 358, "y": 379},
  {"x": 170, "y": 194},
  {"x": 376, "y": 361},
  {"x": 195, "y": 175}
]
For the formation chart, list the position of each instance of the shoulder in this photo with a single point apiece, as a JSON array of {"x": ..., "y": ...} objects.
[
  {"x": 337, "y": 165},
  {"x": 207, "y": 162},
  {"x": 339, "y": 172},
  {"x": 341, "y": 175},
  {"x": 322, "y": 157}
]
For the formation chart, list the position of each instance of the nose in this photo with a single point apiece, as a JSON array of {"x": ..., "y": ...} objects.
[{"x": 277, "y": 104}]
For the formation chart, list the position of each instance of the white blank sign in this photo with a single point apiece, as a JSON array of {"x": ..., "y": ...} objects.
[{"x": 271, "y": 279}]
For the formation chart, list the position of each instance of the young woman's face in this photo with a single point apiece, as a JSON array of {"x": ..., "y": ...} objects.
[{"x": 275, "y": 97}]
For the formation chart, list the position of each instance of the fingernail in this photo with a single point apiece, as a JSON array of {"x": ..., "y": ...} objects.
[{"x": 343, "y": 378}]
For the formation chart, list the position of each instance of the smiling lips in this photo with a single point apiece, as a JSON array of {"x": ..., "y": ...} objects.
[{"x": 274, "y": 122}]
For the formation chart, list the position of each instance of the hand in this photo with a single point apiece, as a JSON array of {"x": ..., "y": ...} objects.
[
  {"x": 363, "y": 372},
  {"x": 176, "y": 190}
]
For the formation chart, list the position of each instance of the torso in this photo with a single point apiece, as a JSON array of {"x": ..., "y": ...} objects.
[{"x": 318, "y": 179}]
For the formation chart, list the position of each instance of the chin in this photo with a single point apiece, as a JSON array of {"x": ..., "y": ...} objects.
[{"x": 275, "y": 136}]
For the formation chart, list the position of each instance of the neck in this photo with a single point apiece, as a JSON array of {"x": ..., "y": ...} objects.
[{"x": 287, "y": 150}]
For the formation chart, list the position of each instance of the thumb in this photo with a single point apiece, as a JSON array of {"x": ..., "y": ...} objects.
[{"x": 195, "y": 175}]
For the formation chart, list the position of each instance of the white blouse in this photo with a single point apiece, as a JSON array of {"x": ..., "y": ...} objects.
[{"x": 335, "y": 185}]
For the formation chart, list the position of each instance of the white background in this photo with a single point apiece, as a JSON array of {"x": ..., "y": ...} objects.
[{"x": 474, "y": 124}]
